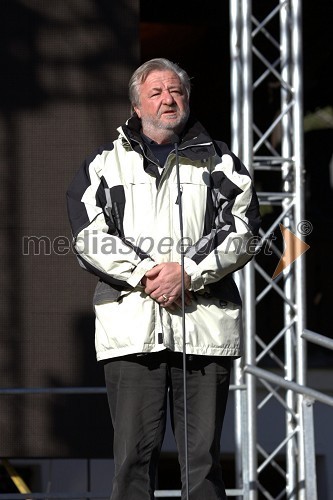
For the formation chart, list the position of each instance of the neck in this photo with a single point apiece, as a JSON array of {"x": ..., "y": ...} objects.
[{"x": 161, "y": 136}]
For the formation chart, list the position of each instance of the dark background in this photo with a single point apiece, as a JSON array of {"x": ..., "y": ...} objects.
[{"x": 63, "y": 91}]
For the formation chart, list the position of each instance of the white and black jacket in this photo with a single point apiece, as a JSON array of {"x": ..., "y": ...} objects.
[{"x": 125, "y": 219}]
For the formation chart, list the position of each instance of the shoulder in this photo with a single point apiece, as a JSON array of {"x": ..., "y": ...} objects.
[
  {"x": 223, "y": 151},
  {"x": 221, "y": 147},
  {"x": 99, "y": 152}
]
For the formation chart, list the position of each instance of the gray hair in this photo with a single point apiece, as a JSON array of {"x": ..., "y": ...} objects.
[{"x": 160, "y": 64}]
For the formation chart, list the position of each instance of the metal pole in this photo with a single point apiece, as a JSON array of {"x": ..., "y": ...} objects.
[
  {"x": 235, "y": 78},
  {"x": 309, "y": 448},
  {"x": 247, "y": 144},
  {"x": 287, "y": 178},
  {"x": 180, "y": 205},
  {"x": 241, "y": 451},
  {"x": 296, "y": 32}
]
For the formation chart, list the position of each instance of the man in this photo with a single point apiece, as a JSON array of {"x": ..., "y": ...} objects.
[{"x": 124, "y": 209}]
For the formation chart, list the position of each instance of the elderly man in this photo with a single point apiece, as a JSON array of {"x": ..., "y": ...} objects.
[{"x": 124, "y": 210}]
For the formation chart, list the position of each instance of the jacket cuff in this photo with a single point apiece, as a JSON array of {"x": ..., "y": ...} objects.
[
  {"x": 139, "y": 272},
  {"x": 192, "y": 269}
]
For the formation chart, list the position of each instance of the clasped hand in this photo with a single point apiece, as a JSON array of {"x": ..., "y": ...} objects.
[{"x": 163, "y": 283}]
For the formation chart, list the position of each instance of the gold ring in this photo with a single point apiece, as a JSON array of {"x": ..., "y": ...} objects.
[{"x": 165, "y": 297}]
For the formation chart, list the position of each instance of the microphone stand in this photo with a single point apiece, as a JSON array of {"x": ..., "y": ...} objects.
[{"x": 183, "y": 321}]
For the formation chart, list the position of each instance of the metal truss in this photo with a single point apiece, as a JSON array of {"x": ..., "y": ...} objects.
[{"x": 267, "y": 134}]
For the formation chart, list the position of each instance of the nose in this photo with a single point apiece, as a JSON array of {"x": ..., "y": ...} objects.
[{"x": 167, "y": 97}]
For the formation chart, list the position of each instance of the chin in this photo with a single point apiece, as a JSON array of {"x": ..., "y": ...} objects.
[{"x": 173, "y": 124}]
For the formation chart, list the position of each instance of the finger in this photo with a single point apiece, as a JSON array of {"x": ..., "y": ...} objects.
[
  {"x": 188, "y": 301},
  {"x": 166, "y": 301},
  {"x": 154, "y": 271},
  {"x": 163, "y": 298},
  {"x": 151, "y": 289}
]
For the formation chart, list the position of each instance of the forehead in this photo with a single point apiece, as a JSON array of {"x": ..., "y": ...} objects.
[{"x": 161, "y": 79}]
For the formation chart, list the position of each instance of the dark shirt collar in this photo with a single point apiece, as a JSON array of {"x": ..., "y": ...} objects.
[
  {"x": 160, "y": 151},
  {"x": 150, "y": 141},
  {"x": 147, "y": 139}
]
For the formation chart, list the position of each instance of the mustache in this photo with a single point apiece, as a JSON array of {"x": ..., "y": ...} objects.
[{"x": 172, "y": 107}]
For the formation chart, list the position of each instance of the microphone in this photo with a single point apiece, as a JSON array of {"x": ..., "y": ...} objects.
[
  {"x": 175, "y": 139},
  {"x": 180, "y": 207}
]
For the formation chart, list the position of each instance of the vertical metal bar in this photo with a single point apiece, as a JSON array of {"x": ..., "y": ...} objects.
[
  {"x": 288, "y": 221},
  {"x": 247, "y": 485},
  {"x": 181, "y": 230},
  {"x": 251, "y": 423},
  {"x": 249, "y": 302},
  {"x": 297, "y": 65},
  {"x": 241, "y": 464},
  {"x": 235, "y": 78},
  {"x": 247, "y": 86},
  {"x": 296, "y": 20},
  {"x": 309, "y": 448}
]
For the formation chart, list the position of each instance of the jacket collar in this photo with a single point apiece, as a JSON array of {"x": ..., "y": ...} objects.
[{"x": 195, "y": 142}]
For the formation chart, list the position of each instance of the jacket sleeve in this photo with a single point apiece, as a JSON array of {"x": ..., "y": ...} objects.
[
  {"x": 230, "y": 242},
  {"x": 96, "y": 222}
]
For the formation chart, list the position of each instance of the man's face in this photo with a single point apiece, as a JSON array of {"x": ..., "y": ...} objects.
[{"x": 163, "y": 103}]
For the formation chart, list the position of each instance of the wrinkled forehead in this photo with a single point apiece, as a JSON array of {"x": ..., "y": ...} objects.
[{"x": 161, "y": 79}]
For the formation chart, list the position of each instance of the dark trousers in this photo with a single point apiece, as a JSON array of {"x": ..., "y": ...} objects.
[{"x": 137, "y": 388}]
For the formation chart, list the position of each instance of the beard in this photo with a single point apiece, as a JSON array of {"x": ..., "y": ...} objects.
[{"x": 150, "y": 123}]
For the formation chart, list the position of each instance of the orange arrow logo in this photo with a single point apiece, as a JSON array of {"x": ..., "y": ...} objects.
[{"x": 293, "y": 248}]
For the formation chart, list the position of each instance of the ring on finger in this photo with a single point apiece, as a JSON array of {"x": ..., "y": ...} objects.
[{"x": 165, "y": 297}]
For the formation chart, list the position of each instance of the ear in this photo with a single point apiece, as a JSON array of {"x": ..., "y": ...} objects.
[{"x": 137, "y": 110}]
